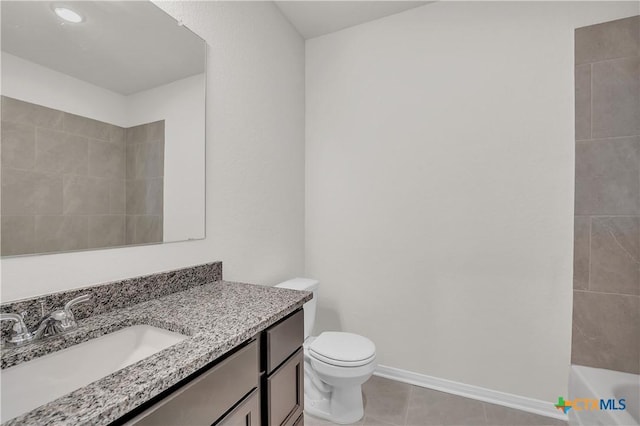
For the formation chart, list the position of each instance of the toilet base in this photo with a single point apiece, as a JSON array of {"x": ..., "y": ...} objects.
[{"x": 342, "y": 406}]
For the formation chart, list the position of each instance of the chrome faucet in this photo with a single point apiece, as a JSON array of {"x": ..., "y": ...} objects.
[
  {"x": 20, "y": 334},
  {"x": 57, "y": 322}
]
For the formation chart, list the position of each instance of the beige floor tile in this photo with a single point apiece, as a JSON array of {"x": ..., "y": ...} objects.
[
  {"x": 310, "y": 420},
  {"x": 429, "y": 407},
  {"x": 503, "y": 416},
  {"x": 314, "y": 421},
  {"x": 370, "y": 421},
  {"x": 391, "y": 403},
  {"x": 386, "y": 400}
]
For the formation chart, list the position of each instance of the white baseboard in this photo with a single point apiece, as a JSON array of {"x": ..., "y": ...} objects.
[{"x": 535, "y": 406}]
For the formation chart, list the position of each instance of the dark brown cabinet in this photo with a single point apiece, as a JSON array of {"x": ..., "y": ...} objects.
[
  {"x": 282, "y": 382},
  {"x": 245, "y": 414},
  {"x": 282, "y": 340},
  {"x": 260, "y": 384},
  {"x": 285, "y": 392},
  {"x": 208, "y": 396}
]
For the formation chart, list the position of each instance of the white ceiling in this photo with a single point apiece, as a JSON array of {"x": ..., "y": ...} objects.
[
  {"x": 123, "y": 46},
  {"x": 130, "y": 46},
  {"x": 316, "y": 18}
]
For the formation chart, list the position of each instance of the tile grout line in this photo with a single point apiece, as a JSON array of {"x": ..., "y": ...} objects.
[
  {"x": 589, "y": 266},
  {"x": 605, "y": 138},
  {"x": 606, "y": 60},
  {"x": 608, "y": 293},
  {"x": 590, "y": 101},
  {"x": 89, "y": 169},
  {"x": 591, "y": 216},
  {"x": 406, "y": 413},
  {"x": 67, "y": 174},
  {"x": 484, "y": 410}
]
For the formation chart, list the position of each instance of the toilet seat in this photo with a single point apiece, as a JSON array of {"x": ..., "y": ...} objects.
[{"x": 342, "y": 349}]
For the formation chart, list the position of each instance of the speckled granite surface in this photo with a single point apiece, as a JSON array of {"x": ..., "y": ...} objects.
[
  {"x": 216, "y": 316},
  {"x": 116, "y": 294}
]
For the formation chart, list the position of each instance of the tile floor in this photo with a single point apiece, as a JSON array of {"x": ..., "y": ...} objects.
[{"x": 391, "y": 403}]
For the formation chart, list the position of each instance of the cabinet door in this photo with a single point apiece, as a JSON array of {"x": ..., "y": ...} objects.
[
  {"x": 300, "y": 421},
  {"x": 203, "y": 400},
  {"x": 285, "y": 392},
  {"x": 245, "y": 414}
]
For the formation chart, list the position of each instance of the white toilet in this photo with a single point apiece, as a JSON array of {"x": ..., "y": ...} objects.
[{"x": 335, "y": 365}]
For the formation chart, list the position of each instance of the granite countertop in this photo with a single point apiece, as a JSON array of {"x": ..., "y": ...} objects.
[{"x": 217, "y": 317}]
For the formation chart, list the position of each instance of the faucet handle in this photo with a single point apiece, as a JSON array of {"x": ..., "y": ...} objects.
[
  {"x": 66, "y": 317},
  {"x": 80, "y": 299},
  {"x": 20, "y": 333}
]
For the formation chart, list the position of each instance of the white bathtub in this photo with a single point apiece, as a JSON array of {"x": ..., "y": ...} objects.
[{"x": 597, "y": 383}]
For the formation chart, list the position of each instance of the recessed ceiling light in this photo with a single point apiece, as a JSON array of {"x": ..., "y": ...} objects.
[{"x": 68, "y": 15}]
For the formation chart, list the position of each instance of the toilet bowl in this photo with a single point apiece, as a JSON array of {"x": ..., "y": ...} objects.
[{"x": 336, "y": 364}]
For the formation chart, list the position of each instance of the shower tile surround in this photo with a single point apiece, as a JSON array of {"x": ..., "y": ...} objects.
[
  {"x": 228, "y": 315},
  {"x": 73, "y": 183},
  {"x": 144, "y": 202},
  {"x": 606, "y": 281}
]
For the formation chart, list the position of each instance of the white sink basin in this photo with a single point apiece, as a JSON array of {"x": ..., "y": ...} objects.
[{"x": 31, "y": 384}]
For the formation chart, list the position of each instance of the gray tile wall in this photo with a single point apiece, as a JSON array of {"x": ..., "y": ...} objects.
[
  {"x": 66, "y": 181},
  {"x": 606, "y": 279},
  {"x": 144, "y": 183}
]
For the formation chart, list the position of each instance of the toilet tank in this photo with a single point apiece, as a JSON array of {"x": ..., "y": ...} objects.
[{"x": 305, "y": 284}]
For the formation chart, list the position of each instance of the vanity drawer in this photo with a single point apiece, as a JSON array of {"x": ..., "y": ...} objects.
[
  {"x": 285, "y": 392},
  {"x": 207, "y": 397},
  {"x": 283, "y": 339},
  {"x": 245, "y": 414}
]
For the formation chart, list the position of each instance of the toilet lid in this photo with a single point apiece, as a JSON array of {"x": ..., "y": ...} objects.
[{"x": 342, "y": 349}]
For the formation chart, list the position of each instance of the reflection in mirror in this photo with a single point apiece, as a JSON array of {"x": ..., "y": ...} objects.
[{"x": 102, "y": 126}]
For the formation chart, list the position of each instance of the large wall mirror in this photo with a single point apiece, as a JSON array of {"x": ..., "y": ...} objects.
[{"x": 103, "y": 127}]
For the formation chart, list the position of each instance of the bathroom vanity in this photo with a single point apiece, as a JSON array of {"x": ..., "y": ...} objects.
[
  {"x": 239, "y": 362},
  {"x": 261, "y": 382}
]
